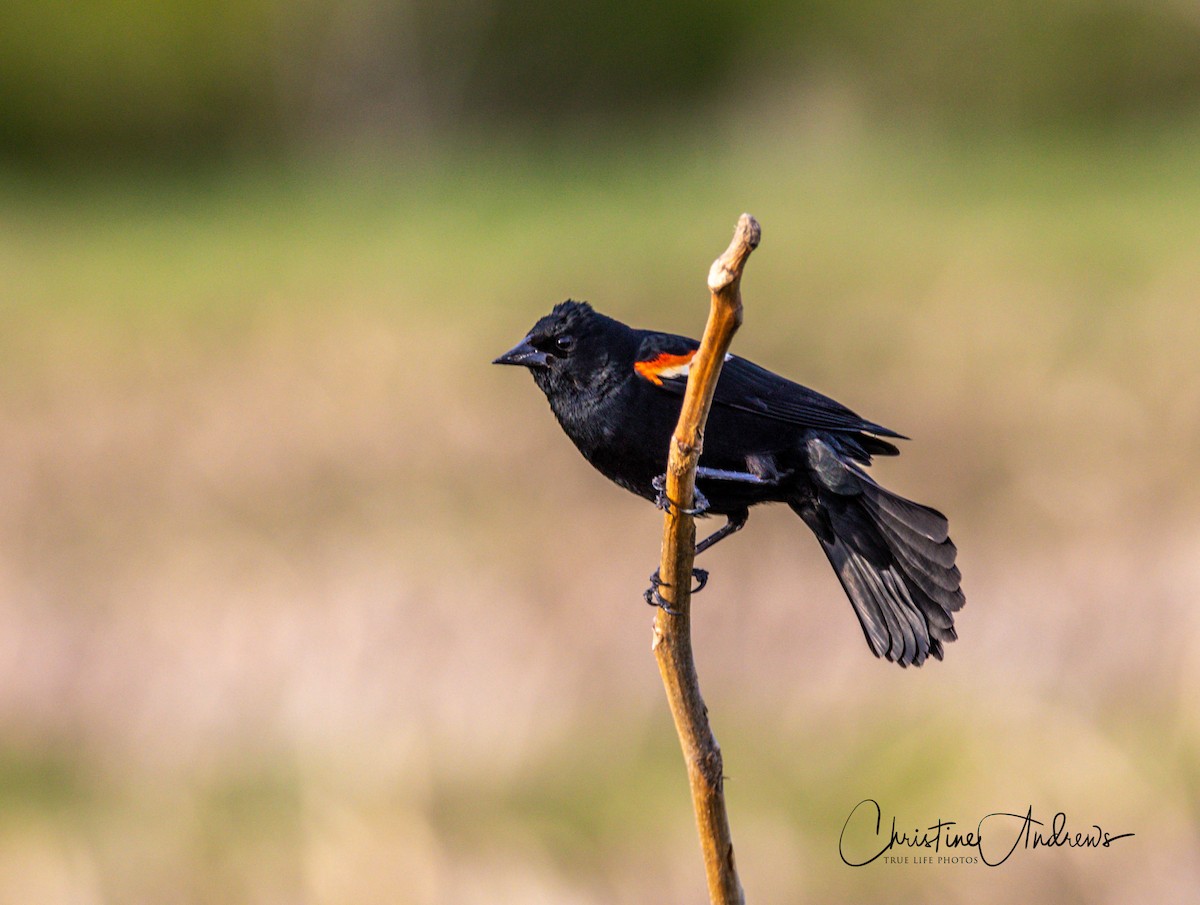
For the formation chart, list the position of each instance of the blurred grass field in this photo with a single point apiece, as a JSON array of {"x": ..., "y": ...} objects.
[{"x": 304, "y": 602}]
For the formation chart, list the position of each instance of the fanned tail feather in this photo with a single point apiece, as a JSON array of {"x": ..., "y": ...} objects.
[{"x": 894, "y": 559}]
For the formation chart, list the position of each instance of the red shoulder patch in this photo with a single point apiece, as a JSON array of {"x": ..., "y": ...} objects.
[{"x": 664, "y": 366}]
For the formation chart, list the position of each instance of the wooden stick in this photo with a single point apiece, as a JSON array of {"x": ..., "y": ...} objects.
[{"x": 672, "y": 633}]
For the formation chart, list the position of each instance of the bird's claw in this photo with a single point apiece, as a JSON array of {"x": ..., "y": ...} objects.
[
  {"x": 654, "y": 598},
  {"x": 666, "y": 504}
]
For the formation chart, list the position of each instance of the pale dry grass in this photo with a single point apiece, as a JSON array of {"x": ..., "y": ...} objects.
[{"x": 305, "y": 603}]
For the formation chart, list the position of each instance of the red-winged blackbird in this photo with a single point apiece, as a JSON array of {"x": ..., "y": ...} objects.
[{"x": 617, "y": 393}]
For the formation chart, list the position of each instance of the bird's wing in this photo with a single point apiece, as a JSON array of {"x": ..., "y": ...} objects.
[{"x": 664, "y": 360}]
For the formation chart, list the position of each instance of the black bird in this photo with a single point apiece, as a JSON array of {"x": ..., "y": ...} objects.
[{"x": 617, "y": 393}]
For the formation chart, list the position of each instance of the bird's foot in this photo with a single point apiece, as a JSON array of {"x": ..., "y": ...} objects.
[
  {"x": 666, "y": 504},
  {"x": 654, "y": 598}
]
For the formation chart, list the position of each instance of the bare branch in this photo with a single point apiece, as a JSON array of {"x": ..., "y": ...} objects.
[{"x": 672, "y": 633}]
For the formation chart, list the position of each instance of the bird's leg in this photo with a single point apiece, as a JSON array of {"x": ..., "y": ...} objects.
[
  {"x": 737, "y": 521},
  {"x": 662, "y": 501},
  {"x": 654, "y": 598},
  {"x": 666, "y": 504},
  {"x": 720, "y": 474}
]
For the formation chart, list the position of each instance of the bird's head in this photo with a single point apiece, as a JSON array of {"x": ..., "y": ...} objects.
[{"x": 568, "y": 349}]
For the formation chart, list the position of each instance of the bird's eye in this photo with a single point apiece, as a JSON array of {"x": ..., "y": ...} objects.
[{"x": 565, "y": 343}]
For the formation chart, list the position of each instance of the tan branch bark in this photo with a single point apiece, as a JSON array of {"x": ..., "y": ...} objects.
[{"x": 672, "y": 633}]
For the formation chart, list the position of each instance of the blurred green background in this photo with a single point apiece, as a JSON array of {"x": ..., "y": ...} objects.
[{"x": 304, "y": 602}]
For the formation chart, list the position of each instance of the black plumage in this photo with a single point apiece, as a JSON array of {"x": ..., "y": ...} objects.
[{"x": 616, "y": 392}]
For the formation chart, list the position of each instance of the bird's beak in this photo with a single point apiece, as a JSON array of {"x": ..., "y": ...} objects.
[{"x": 523, "y": 354}]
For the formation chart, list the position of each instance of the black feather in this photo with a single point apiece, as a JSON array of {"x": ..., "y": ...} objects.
[{"x": 616, "y": 392}]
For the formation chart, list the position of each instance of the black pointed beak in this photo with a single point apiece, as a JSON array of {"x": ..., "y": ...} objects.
[{"x": 523, "y": 354}]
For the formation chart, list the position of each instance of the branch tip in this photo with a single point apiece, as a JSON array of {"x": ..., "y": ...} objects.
[
  {"x": 727, "y": 269},
  {"x": 748, "y": 231}
]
